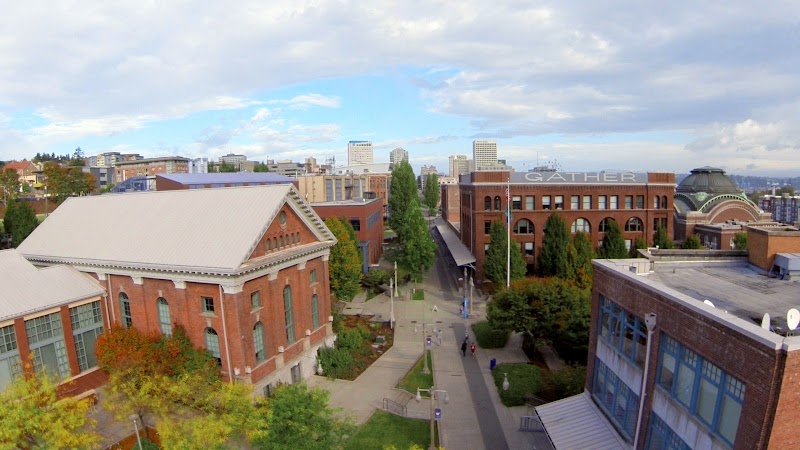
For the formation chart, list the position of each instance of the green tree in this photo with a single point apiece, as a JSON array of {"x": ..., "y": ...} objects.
[
  {"x": 63, "y": 182},
  {"x": 693, "y": 242},
  {"x": 19, "y": 221},
  {"x": 580, "y": 259},
  {"x": 431, "y": 192},
  {"x": 661, "y": 239},
  {"x": 9, "y": 181},
  {"x": 33, "y": 417},
  {"x": 550, "y": 309},
  {"x": 402, "y": 193},
  {"x": 552, "y": 260},
  {"x": 418, "y": 248},
  {"x": 638, "y": 243},
  {"x": 77, "y": 158},
  {"x": 260, "y": 167},
  {"x": 225, "y": 167},
  {"x": 613, "y": 246},
  {"x": 495, "y": 266},
  {"x": 345, "y": 263},
  {"x": 299, "y": 418},
  {"x": 740, "y": 241}
]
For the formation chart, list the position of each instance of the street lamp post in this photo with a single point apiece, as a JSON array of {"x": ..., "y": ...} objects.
[
  {"x": 391, "y": 302},
  {"x": 395, "y": 279},
  {"x": 432, "y": 392},
  {"x": 136, "y": 428}
]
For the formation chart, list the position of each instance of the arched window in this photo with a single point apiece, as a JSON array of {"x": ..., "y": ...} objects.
[
  {"x": 497, "y": 205},
  {"x": 664, "y": 202},
  {"x": 280, "y": 241},
  {"x": 288, "y": 314},
  {"x": 523, "y": 226},
  {"x": 212, "y": 344},
  {"x": 487, "y": 203},
  {"x": 633, "y": 224},
  {"x": 657, "y": 202},
  {"x": 582, "y": 225},
  {"x": 163, "y": 316},
  {"x": 315, "y": 311},
  {"x": 269, "y": 244},
  {"x": 297, "y": 238},
  {"x": 125, "y": 309},
  {"x": 275, "y": 243},
  {"x": 605, "y": 224},
  {"x": 258, "y": 342}
]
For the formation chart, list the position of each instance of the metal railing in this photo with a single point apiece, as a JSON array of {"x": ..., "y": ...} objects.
[{"x": 394, "y": 407}]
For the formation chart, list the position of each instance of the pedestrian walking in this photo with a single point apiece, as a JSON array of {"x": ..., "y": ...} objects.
[
  {"x": 472, "y": 349},
  {"x": 464, "y": 349},
  {"x": 461, "y": 310}
]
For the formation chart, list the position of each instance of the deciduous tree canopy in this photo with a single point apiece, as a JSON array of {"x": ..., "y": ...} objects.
[
  {"x": 431, "y": 192},
  {"x": 345, "y": 262},
  {"x": 19, "y": 221},
  {"x": 418, "y": 249},
  {"x": 402, "y": 193}
]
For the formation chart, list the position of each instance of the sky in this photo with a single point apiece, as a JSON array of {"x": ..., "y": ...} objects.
[{"x": 611, "y": 85}]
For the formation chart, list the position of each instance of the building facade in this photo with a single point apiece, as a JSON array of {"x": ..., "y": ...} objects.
[
  {"x": 244, "y": 270},
  {"x": 586, "y": 201},
  {"x": 783, "y": 208},
  {"x": 233, "y": 159},
  {"x": 397, "y": 155},
  {"x": 484, "y": 153},
  {"x": 366, "y": 218},
  {"x": 459, "y": 164},
  {"x": 359, "y": 152},
  {"x": 150, "y": 167},
  {"x": 677, "y": 358},
  {"x": 56, "y": 326},
  {"x": 173, "y": 181}
]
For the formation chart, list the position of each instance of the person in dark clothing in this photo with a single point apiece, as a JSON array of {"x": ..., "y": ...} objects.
[{"x": 464, "y": 349}]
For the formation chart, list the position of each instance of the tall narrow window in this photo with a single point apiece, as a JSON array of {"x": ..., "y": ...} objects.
[
  {"x": 46, "y": 342},
  {"x": 212, "y": 345},
  {"x": 255, "y": 300},
  {"x": 587, "y": 202},
  {"x": 575, "y": 202},
  {"x": 497, "y": 206},
  {"x": 614, "y": 202},
  {"x": 602, "y": 202},
  {"x": 628, "y": 202},
  {"x": 315, "y": 311},
  {"x": 125, "y": 309},
  {"x": 313, "y": 276},
  {"x": 258, "y": 342},
  {"x": 288, "y": 314},
  {"x": 10, "y": 366},
  {"x": 163, "y": 316},
  {"x": 559, "y": 202},
  {"x": 516, "y": 202},
  {"x": 529, "y": 202},
  {"x": 546, "y": 202},
  {"x": 664, "y": 202},
  {"x": 487, "y": 203},
  {"x": 208, "y": 304},
  {"x": 87, "y": 324}
]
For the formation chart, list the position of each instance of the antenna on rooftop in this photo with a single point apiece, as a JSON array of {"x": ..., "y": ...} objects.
[
  {"x": 792, "y": 320},
  {"x": 765, "y": 322}
]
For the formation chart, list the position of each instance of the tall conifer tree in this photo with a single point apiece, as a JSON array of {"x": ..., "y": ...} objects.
[{"x": 553, "y": 260}]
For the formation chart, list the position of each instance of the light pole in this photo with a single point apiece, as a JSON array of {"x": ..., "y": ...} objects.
[
  {"x": 136, "y": 428},
  {"x": 391, "y": 302},
  {"x": 395, "y": 279},
  {"x": 432, "y": 392}
]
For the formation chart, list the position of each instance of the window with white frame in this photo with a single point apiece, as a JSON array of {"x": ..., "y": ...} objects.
[
  {"x": 575, "y": 202},
  {"x": 10, "y": 366},
  {"x": 516, "y": 202},
  {"x": 288, "y": 314},
  {"x": 703, "y": 388},
  {"x": 628, "y": 202},
  {"x": 581, "y": 225},
  {"x": 529, "y": 202},
  {"x": 258, "y": 342},
  {"x": 87, "y": 325},
  {"x": 164, "y": 320},
  {"x": 523, "y": 226},
  {"x": 529, "y": 249},
  {"x": 212, "y": 344},
  {"x": 587, "y": 202},
  {"x": 125, "y": 310},
  {"x": 46, "y": 343},
  {"x": 207, "y": 304},
  {"x": 546, "y": 202},
  {"x": 640, "y": 201},
  {"x": 602, "y": 202},
  {"x": 558, "y": 203},
  {"x": 605, "y": 224},
  {"x": 613, "y": 202},
  {"x": 633, "y": 224}
]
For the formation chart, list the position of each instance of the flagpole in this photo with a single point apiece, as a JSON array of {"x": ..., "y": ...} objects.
[{"x": 508, "y": 228}]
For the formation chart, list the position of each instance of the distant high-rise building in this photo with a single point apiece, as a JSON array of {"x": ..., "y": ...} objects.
[
  {"x": 423, "y": 174},
  {"x": 234, "y": 160},
  {"x": 359, "y": 152},
  {"x": 485, "y": 154},
  {"x": 397, "y": 155},
  {"x": 458, "y": 164}
]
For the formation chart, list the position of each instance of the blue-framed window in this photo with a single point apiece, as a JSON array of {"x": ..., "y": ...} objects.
[
  {"x": 10, "y": 366},
  {"x": 623, "y": 331},
  {"x": 707, "y": 391},
  {"x": 661, "y": 437},
  {"x": 619, "y": 401}
]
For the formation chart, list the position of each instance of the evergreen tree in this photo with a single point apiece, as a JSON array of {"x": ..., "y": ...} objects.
[
  {"x": 260, "y": 167},
  {"x": 402, "y": 193},
  {"x": 419, "y": 250},
  {"x": 637, "y": 244},
  {"x": 740, "y": 241},
  {"x": 19, "y": 221},
  {"x": 552, "y": 260},
  {"x": 661, "y": 239},
  {"x": 431, "y": 192},
  {"x": 353, "y": 237},
  {"x": 580, "y": 260},
  {"x": 496, "y": 262},
  {"x": 613, "y": 246},
  {"x": 77, "y": 158},
  {"x": 693, "y": 243},
  {"x": 345, "y": 264}
]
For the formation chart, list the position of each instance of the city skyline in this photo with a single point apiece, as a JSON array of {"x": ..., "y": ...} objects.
[{"x": 648, "y": 87}]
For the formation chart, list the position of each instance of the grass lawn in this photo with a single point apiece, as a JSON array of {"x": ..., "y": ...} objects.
[
  {"x": 386, "y": 429},
  {"x": 416, "y": 379},
  {"x": 418, "y": 294}
]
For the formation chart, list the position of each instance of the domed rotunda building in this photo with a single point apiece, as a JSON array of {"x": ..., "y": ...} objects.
[{"x": 709, "y": 203}]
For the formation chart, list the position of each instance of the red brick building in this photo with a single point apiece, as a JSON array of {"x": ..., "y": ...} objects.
[
  {"x": 150, "y": 166},
  {"x": 586, "y": 201},
  {"x": 55, "y": 326},
  {"x": 244, "y": 270},
  {"x": 682, "y": 336},
  {"x": 366, "y": 217}
]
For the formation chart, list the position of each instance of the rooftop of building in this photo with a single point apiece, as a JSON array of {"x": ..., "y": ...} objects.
[
  {"x": 226, "y": 178},
  {"x": 357, "y": 201},
  {"x": 152, "y": 160},
  {"x": 356, "y": 169},
  {"x": 740, "y": 293}
]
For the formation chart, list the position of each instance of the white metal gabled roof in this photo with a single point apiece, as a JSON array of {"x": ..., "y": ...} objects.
[
  {"x": 576, "y": 423},
  {"x": 196, "y": 230},
  {"x": 26, "y": 289}
]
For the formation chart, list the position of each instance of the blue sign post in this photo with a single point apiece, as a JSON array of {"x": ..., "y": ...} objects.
[
  {"x": 466, "y": 308},
  {"x": 437, "y": 414},
  {"x": 428, "y": 341}
]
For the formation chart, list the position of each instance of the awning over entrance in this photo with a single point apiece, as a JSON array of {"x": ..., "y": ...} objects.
[
  {"x": 458, "y": 250},
  {"x": 575, "y": 422}
]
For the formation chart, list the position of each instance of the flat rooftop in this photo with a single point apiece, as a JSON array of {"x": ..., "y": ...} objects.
[
  {"x": 350, "y": 202},
  {"x": 731, "y": 284}
]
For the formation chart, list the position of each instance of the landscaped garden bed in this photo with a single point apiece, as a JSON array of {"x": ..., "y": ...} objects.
[{"x": 360, "y": 342}]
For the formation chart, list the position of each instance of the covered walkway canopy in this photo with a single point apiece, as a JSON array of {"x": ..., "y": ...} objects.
[
  {"x": 575, "y": 422},
  {"x": 460, "y": 253}
]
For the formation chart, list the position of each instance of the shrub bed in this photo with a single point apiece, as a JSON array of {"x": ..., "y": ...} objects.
[
  {"x": 523, "y": 380},
  {"x": 489, "y": 337}
]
